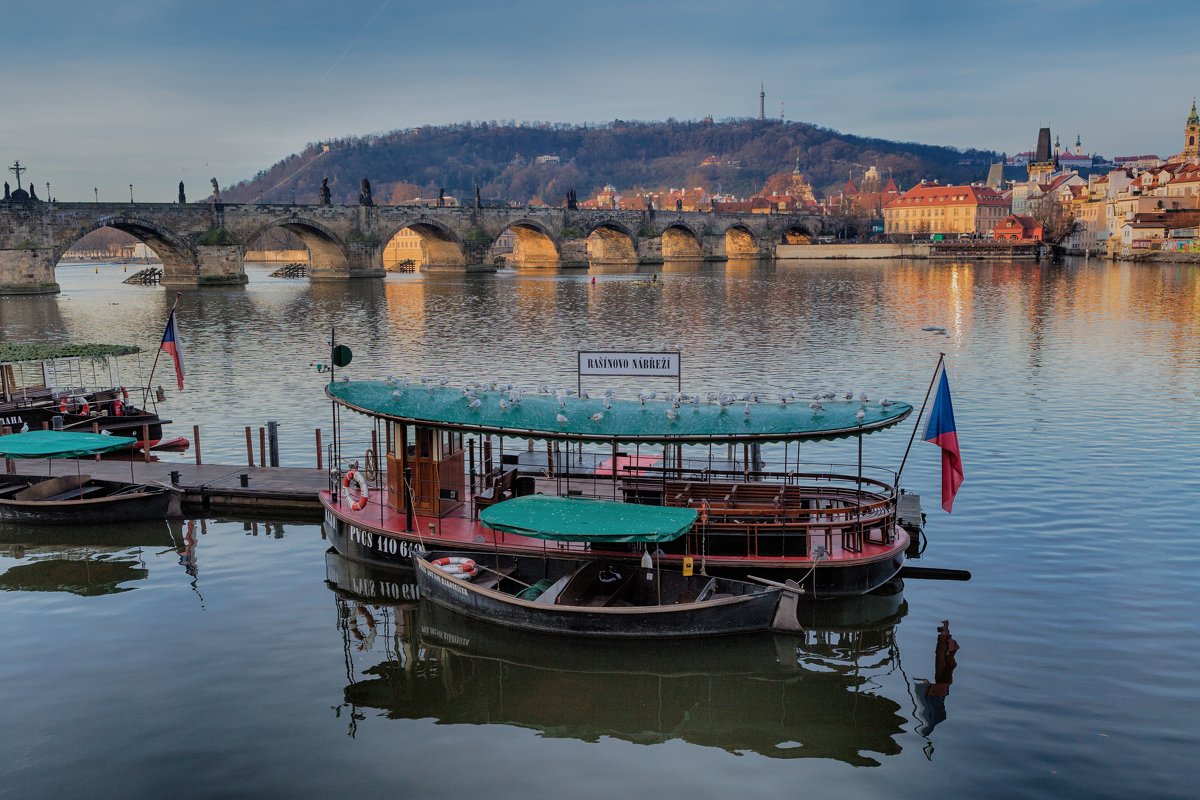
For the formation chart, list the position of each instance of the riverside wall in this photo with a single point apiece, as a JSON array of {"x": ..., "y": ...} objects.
[{"x": 816, "y": 252}]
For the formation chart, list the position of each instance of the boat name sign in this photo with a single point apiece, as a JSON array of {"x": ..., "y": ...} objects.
[{"x": 645, "y": 364}]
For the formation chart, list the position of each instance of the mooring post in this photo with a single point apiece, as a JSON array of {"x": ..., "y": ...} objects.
[
  {"x": 318, "y": 448},
  {"x": 262, "y": 446},
  {"x": 273, "y": 440},
  {"x": 146, "y": 443},
  {"x": 249, "y": 447},
  {"x": 196, "y": 439}
]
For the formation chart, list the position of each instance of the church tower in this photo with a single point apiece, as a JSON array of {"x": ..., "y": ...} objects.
[
  {"x": 1191, "y": 134},
  {"x": 1044, "y": 163}
]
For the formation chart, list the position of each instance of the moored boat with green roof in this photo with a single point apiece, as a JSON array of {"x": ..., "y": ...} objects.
[{"x": 439, "y": 456}]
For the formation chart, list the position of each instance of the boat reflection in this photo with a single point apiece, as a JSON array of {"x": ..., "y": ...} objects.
[
  {"x": 823, "y": 693},
  {"x": 97, "y": 560}
]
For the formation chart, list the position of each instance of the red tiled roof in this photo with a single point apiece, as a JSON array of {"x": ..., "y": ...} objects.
[{"x": 938, "y": 195}]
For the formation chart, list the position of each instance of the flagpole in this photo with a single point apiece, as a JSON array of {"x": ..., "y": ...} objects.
[
  {"x": 911, "y": 439},
  {"x": 158, "y": 352}
]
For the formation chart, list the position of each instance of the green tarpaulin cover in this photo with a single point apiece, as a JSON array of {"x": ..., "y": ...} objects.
[
  {"x": 60, "y": 444},
  {"x": 572, "y": 519},
  {"x": 538, "y": 415}
]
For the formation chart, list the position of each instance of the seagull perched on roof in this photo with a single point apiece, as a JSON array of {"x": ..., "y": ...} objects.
[
  {"x": 562, "y": 419},
  {"x": 642, "y": 398},
  {"x": 746, "y": 409},
  {"x": 562, "y": 401},
  {"x": 474, "y": 403},
  {"x": 503, "y": 405},
  {"x": 609, "y": 393},
  {"x": 862, "y": 397},
  {"x": 849, "y": 395},
  {"x": 442, "y": 381},
  {"x": 815, "y": 406},
  {"x": 396, "y": 393},
  {"x": 599, "y": 415},
  {"x": 25, "y": 428},
  {"x": 860, "y": 414},
  {"x": 583, "y": 395},
  {"x": 885, "y": 402},
  {"x": 607, "y": 405},
  {"x": 671, "y": 415}
]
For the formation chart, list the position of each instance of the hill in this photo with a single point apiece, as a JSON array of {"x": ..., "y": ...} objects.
[{"x": 503, "y": 158}]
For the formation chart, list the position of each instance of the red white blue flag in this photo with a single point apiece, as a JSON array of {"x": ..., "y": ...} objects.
[
  {"x": 173, "y": 347},
  {"x": 941, "y": 431}
]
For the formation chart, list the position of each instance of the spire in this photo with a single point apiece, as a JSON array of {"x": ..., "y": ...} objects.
[
  {"x": 1193, "y": 119},
  {"x": 796, "y": 169},
  {"x": 762, "y": 102}
]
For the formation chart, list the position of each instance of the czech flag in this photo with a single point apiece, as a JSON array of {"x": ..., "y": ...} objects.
[
  {"x": 941, "y": 431},
  {"x": 173, "y": 347}
]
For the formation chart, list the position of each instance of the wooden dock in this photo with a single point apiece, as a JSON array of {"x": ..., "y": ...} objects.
[{"x": 289, "y": 491}]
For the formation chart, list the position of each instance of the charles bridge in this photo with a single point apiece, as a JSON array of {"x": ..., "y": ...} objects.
[{"x": 203, "y": 244}]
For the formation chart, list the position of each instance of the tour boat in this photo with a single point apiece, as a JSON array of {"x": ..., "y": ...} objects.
[
  {"x": 438, "y": 456},
  {"x": 75, "y": 499},
  {"x": 41, "y": 382}
]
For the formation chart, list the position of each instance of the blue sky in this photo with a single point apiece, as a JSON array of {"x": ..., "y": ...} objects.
[{"x": 104, "y": 94}]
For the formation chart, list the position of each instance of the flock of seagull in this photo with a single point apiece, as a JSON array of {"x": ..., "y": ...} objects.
[{"x": 512, "y": 395}]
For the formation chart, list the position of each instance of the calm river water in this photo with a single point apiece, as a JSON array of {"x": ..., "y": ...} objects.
[{"x": 220, "y": 658}]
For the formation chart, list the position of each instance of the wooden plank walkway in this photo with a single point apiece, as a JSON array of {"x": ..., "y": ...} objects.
[{"x": 292, "y": 491}]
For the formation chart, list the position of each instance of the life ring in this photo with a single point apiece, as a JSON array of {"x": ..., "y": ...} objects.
[
  {"x": 456, "y": 566},
  {"x": 360, "y": 484},
  {"x": 371, "y": 468},
  {"x": 608, "y": 575}
]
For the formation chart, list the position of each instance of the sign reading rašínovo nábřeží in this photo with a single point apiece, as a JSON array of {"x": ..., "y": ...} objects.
[{"x": 664, "y": 365}]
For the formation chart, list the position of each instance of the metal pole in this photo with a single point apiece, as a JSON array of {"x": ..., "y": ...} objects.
[
  {"x": 408, "y": 509},
  {"x": 941, "y": 358}
]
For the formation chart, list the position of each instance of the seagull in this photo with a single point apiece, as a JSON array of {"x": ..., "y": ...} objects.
[
  {"x": 599, "y": 415},
  {"x": 442, "y": 381},
  {"x": 562, "y": 419},
  {"x": 885, "y": 402},
  {"x": 562, "y": 401},
  {"x": 607, "y": 405},
  {"x": 671, "y": 415},
  {"x": 474, "y": 403},
  {"x": 860, "y": 414},
  {"x": 584, "y": 395},
  {"x": 503, "y": 405},
  {"x": 746, "y": 410},
  {"x": 849, "y": 395},
  {"x": 25, "y": 428},
  {"x": 609, "y": 393},
  {"x": 828, "y": 396},
  {"x": 783, "y": 399},
  {"x": 862, "y": 397},
  {"x": 642, "y": 398},
  {"x": 815, "y": 406},
  {"x": 396, "y": 393}
]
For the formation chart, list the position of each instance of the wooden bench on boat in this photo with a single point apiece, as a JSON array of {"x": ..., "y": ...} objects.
[{"x": 501, "y": 488}]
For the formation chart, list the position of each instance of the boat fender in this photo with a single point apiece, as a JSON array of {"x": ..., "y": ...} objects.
[
  {"x": 354, "y": 476},
  {"x": 86, "y": 408},
  {"x": 118, "y": 408},
  {"x": 456, "y": 566}
]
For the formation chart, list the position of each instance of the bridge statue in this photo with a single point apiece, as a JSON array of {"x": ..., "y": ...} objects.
[
  {"x": 441, "y": 197},
  {"x": 477, "y": 203},
  {"x": 324, "y": 191},
  {"x": 216, "y": 191},
  {"x": 182, "y": 196},
  {"x": 7, "y": 191},
  {"x": 364, "y": 193}
]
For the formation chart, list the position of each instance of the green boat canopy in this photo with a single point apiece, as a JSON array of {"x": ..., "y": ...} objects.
[
  {"x": 540, "y": 416},
  {"x": 37, "y": 351},
  {"x": 60, "y": 444},
  {"x": 573, "y": 519}
]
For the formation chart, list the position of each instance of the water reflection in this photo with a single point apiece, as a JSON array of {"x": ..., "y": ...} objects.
[
  {"x": 103, "y": 559},
  {"x": 820, "y": 694}
]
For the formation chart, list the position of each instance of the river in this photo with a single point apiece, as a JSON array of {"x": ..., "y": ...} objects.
[{"x": 227, "y": 658}]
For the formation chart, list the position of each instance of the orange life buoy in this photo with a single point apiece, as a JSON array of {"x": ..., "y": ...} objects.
[
  {"x": 456, "y": 566},
  {"x": 62, "y": 405},
  {"x": 353, "y": 476}
]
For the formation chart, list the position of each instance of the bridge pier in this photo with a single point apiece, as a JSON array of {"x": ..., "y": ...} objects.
[
  {"x": 28, "y": 270},
  {"x": 572, "y": 254}
]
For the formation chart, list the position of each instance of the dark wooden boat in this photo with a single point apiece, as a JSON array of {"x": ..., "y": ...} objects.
[
  {"x": 598, "y": 597},
  {"x": 79, "y": 499}
]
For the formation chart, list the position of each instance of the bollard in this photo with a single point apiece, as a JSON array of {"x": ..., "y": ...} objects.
[
  {"x": 273, "y": 441},
  {"x": 56, "y": 422},
  {"x": 318, "y": 448},
  {"x": 249, "y": 448},
  {"x": 244, "y": 479},
  {"x": 174, "y": 477},
  {"x": 196, "y": 441}
]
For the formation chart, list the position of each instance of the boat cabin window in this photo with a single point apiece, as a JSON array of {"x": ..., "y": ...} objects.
[
  {"x": 424, "y": 442},
  {"x": 451, "y": 443}
]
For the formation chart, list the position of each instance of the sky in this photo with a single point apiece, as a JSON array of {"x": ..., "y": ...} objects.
[{"x": 99, "y": 95}]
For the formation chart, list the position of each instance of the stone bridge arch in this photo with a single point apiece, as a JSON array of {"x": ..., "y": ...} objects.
[
  {"x": 609, "y": 241},
  {"x": 680, "y": 242},
  {"x": 740, "y": 241},
  {"x": 177, "y": 255},
  {"x": 440, "y": 247},
  {"x": 326, "y": 250},
  {"x": 534, "y": 245},
  {"x": 797, "y": 233}
]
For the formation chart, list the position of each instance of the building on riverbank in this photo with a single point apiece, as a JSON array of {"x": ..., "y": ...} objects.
[{"x": 929, "y": 209}]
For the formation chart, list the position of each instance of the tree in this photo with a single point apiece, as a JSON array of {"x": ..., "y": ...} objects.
[
  {"x": 403, "y": 192},
  {"x": 1057, "y": 220}
]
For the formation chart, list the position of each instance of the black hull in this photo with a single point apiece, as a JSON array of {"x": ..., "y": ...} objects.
[
  {"x": 144, "y": 503},
  {"x": 126, "y": 425},
  {"x": 382, "y": 549},
  {"x": 739, "y": 614}
]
